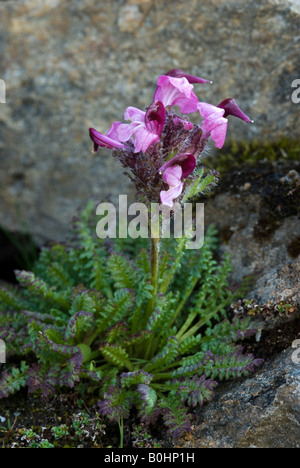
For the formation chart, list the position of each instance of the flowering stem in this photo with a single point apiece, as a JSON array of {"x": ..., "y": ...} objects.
[{"x": 155, "y": 255}]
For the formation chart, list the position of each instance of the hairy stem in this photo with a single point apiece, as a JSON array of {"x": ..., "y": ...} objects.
[
  {"x": 155, "y": 257},
  {"x": 155, "y": 251}
]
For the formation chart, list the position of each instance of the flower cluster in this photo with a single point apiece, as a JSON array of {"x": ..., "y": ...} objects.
[{"x": 161, "y": 148}]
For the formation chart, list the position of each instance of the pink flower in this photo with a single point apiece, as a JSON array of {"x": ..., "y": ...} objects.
[
  {"x": 214, "y": 119},
  {"x": 155, "y": 117},
  {"x": 172, "y": 91},
  {"x": 178, "y": 168},
  {"x": 214, "y": 124},
  {"x": 110, "y": 141},
  {"x": 172, "y": 176},
  {"x": 145, "y": 126}
]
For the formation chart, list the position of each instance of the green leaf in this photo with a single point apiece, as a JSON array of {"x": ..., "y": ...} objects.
[
  {"x": 123, "y": 272},
  {"x": 200, "y": 185},
  {"x": 116, "y": 309},
  {"x": 116, "y": 355},
  {"x": 86, "y": 352}
]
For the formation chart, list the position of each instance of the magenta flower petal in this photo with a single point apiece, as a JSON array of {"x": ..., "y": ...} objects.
[
  {"x": 207, "y": 110},
  {"x": 214, "y": 124},
  {"x": 218, "y": 132},
  {"x": 125, "y": 131},
  {"x": 231, "y": 108},
  {"x": 145, "y": 126},
  {"x": 176, "y": 92},
  {"x": 172, "y": 176},
  {"x": 105, "y": 141},
  {"x": 167, "y": 197},
  {"x": 177, "y": 73},
  {"x": 186, "y": 161},
  {"x": 134, "y": 114},
  {"x": 143, "y": 139},
  {"x": 113, "y": 132},
  {"x": 155, "y": 118},
  {"x": 178, "y": 168}
]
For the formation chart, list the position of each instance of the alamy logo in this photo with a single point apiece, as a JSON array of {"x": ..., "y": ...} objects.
[
  {"x": 2, "y": 92},
  {"x": 296, "y": 93},
  {"x": 296, "y": 353},
  {"x": 187, "y": 221},
  {"x": 2, "y": 352}
]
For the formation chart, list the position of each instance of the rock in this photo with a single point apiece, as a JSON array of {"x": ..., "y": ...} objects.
[
  {"x": 72, "y": 65},
  {"x": 130, "y": 18},
  {"x": 260, "y": 228},
  {"x": 259, "y": 412},
  {"x": 256, "y": 210}
]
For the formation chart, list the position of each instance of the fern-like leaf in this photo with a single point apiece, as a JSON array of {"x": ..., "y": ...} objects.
[
  {"x": 194, "y": 391},
  {"x": 123, "y": 272},
  {"x": 116, "y": 403},
  {"x": 116, "y": 355},
  {"x": 12, "y": 380},
  {"x": 135, "y": 378}
]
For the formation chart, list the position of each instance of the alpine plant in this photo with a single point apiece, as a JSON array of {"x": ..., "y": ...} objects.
[{"x": 126, "y": 325}]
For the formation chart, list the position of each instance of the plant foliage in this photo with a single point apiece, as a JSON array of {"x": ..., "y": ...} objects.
[{"x": 82, "y": 319}]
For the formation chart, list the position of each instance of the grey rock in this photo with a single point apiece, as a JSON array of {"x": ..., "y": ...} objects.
[
  {"x": 263, "y": 410},
  {"x": 259, "y": 412},
  {"x": 258, "y": 223},
  {"x": 75, "y": 64}
]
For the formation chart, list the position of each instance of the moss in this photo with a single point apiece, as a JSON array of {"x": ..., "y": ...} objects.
[
  {"x": 237, "y": 154},
  {"x": 27, "y": 415},
  {"x": 268, "y": 170}
]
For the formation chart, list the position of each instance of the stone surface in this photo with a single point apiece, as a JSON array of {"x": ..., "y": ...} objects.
[
  {"x": 259, "y": 412},
  {"x": 80, "y": 63},
  {"x": 257, "y": 212}
]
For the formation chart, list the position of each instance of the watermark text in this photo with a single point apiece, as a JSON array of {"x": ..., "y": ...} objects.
[
  {"x": 296, "y": 93},
  {"x": 2, "y": 352},
  {"x": 2, "y": 92},
  {"x": 137, "y": 220},
  {"x": 296, "y": 353}
]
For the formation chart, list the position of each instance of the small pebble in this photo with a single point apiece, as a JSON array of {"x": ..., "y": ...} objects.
[{"x": 247, "y": 186}]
